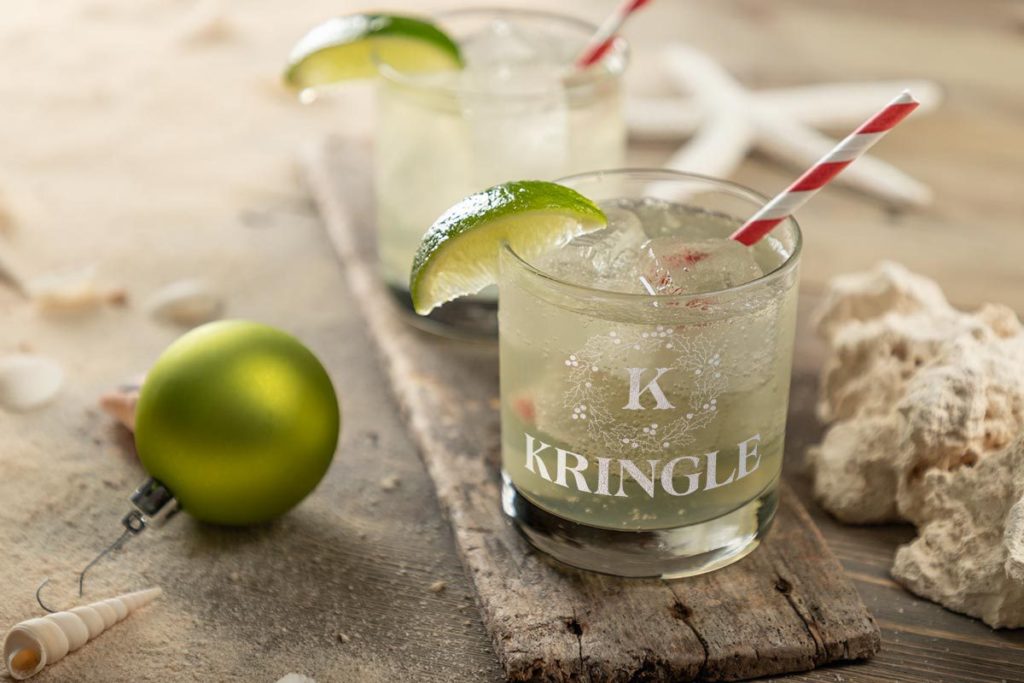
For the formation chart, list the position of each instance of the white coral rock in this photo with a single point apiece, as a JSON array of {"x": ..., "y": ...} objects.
[
  {"x": 927, "y": 403},
  {"x": 967, "y": 555}
]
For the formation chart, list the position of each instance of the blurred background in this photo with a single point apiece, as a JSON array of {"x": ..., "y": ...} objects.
[{"x": 137, "y": 134}]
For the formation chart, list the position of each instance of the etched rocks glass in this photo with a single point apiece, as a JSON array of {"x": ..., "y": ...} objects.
[
  {"x": 509, "y": 114},
  {"x": 642, "y": 435}
]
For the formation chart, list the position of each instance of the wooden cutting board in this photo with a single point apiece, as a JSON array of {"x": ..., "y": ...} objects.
[{"x": 786, "y": 607}]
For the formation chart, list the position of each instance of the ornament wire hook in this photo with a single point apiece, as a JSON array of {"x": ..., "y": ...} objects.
[
  {"x": 39, "y": 598},
  {"x": 134, "y": 523},
  {"x": 154, "y": 505}
]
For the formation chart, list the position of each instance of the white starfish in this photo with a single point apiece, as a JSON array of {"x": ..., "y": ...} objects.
[{"x": 724, "y": 120}]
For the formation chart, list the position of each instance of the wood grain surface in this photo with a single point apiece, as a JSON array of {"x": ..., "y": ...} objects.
[{"x": 787, "y": 607}]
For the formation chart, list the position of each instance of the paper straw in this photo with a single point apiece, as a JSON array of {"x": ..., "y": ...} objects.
[
  {"x": 828, "y": 167},
  {"x": 602, "y": 41}
]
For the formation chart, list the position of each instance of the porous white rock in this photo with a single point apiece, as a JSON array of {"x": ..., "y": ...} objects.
[
  {"x": 969, "y": 553},
  {"x": 927, "y": 412}
]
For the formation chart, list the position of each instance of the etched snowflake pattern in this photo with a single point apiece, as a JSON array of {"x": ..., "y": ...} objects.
[{"x": 595, "y": 392}]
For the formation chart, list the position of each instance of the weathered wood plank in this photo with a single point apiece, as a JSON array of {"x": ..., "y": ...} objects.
[{"x": 787, "y": 607}]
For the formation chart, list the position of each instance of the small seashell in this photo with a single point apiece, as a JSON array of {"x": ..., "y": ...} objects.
[
  {"x": 9, "y": 273},
  {"x": 186, "y": 302},
  {"x": 121, "y": 406},
  {"x": 7, "y": 220},
  {"x": 19, "y": 203},
  {"x": 73, "y": 292},
  {"x": 296, "y": 678},
  {"x": 28, "y": 382},
  {"x": 32, "y": 645},
  {"x": 206, "y": 24},
  {"x": 120, "y": 403}
]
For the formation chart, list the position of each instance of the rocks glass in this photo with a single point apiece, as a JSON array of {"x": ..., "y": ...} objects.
[
  {"x": 642, "y": 435},
  {"x": 518, "y": 110}
]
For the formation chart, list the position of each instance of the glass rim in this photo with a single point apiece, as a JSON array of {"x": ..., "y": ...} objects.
[
  {"x": 663, "y": 174},
  {"x": 619, "y": 47}
]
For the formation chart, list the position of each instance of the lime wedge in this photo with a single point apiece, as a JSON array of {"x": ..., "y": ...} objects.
[
  {"x": 343, "y": 48},
  {"x": 459, "y": 253}
]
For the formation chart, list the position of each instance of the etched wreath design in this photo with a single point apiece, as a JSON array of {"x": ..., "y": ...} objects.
[{"x": 600, "y": 411}]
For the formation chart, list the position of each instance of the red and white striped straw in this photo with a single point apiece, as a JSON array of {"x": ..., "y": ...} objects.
[
  {"x": 602, "y": 41},
  {"x": 828, "y": 167}
]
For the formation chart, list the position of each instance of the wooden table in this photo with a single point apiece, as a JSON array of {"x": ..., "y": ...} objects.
[{"x": 340, "y": 588}]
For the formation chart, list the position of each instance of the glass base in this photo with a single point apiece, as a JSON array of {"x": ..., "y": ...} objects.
[
  {"x": 665, "y": 553},
  {"x": 464, "y": 318}
]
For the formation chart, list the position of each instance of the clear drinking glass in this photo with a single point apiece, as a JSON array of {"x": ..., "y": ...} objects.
[
  {"x": 642, "y": 435},
  {"x": 517, "y": 111}
]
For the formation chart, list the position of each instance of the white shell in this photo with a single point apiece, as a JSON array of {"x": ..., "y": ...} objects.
[
  {"x": 120, "y": 404},
  {"x": 186, "y": 302},
  {"x": 207, "y": 23},
  {"x": 73, "y": 292},
  {"x": 32, "y": 645},
  {"x": 295, "y": 678},
  {"x": 28, "y": 382},
  {"x": 20, "y": 204},
  {"x": 9, "y": 273}
]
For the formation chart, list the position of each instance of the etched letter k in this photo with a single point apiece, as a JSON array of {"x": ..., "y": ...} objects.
[{"x": 661, "y": 403}]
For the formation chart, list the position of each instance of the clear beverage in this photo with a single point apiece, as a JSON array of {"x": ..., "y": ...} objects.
[
  {"x": 645, "y": 377},
  {"x": 516, "y": 111}
]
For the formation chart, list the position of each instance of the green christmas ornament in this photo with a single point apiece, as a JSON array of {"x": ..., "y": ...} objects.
[{"x": 238, "y": 421}]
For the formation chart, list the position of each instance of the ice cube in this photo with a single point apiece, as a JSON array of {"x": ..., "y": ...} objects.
[
  {"x": 676, "y": 265},
  {"x": 513, "y": 101},
  {"x": 624, "y": 220},
  {"x": 500, "y": 44},
  {"x": 517, "y": 122},
  {"x": 662, "y": 218},
  {"x": 615, "y": 248},
  {"x": 509, "y": 45},
  {"x": 606, "y": 259},
  {"x": 656, "y": 216}
]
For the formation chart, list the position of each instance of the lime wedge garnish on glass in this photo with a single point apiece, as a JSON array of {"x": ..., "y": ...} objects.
[
  {"x": 343, "y": 48},
  {"x": 459, "y": 253}
]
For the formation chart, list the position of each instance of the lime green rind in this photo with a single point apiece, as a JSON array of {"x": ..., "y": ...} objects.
[
  {"x": 459, "y": 253},
  {"x": 343, "y": 48}
]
